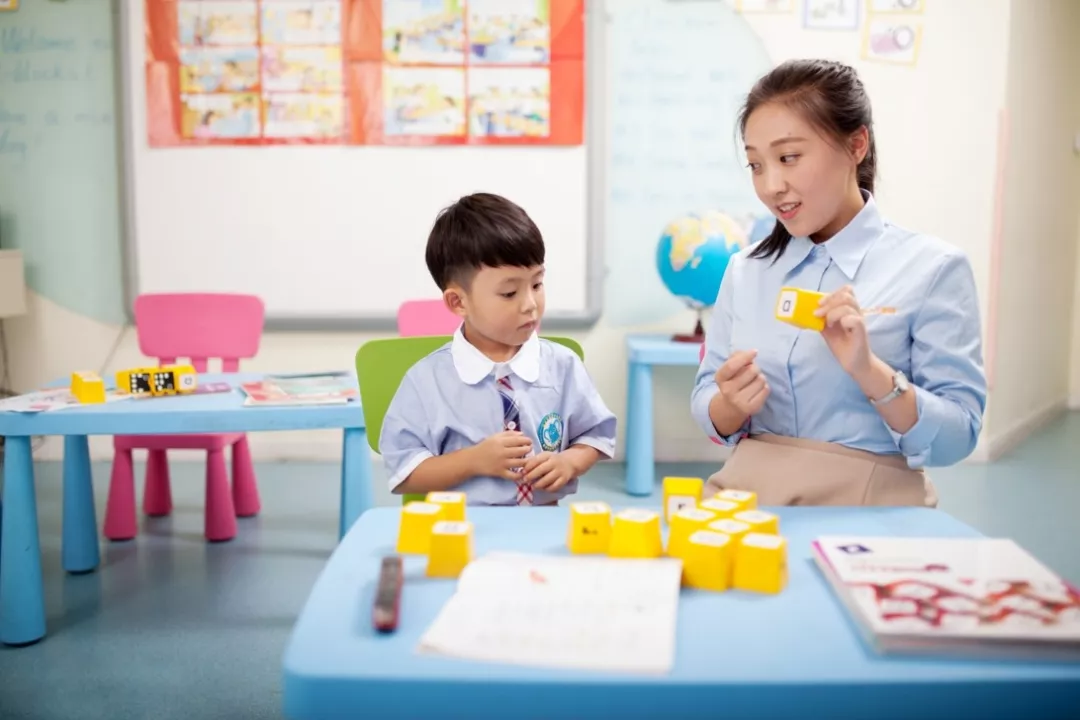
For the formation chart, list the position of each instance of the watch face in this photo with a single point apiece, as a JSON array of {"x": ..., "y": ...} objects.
[{"x": 901, "y": 382}]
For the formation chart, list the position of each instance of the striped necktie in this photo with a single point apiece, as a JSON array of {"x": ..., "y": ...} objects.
[{"x": 512, "y": 421}]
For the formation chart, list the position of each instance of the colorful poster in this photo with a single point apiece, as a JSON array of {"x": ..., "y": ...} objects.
[{"x": 365, "y": 72}]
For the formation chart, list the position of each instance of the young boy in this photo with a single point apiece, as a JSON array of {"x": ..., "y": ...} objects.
[{"x": 498, "y": 413}]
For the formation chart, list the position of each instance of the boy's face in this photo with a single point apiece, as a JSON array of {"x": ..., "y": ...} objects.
[{"x": 504, "y": 304}]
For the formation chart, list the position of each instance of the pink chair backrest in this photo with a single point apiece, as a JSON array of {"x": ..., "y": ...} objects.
[
  {"x": 426, "y": 317},
  {"x": 199, "y": 326}
]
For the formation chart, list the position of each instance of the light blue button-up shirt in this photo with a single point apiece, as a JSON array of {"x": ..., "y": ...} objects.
[
  {"x": 934, "y": 337},
  {"x": 449, "y": 401}
]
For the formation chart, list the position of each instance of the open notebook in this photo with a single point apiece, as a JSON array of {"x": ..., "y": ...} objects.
[{"x": 572, "y": 612}]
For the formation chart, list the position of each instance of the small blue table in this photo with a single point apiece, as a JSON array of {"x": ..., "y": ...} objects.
[
  {"x": 22, "y": 605},
  {"x": 737, "y": 655},
  {"x": 643, "y": 352}
]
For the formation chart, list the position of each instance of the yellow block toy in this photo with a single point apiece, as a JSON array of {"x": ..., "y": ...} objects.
[
  {"x": 734, "y": 528},
  {"x": 414, "y": 532},
  {"x": 707, "y": 561},
  {"x": 759, "y": 521},
  {"x": 796, "y": 306},
  {"x": 589, "y": 532},
  {"x": 679, "y": 493},
  {"x": 453, "y": 504},
  {"x": 761, "y": 564},
  {"x": 745, "y": 499},
  {"x": 684, "y": 524},
  {"x": 636, "y": 534},
  {"x": 451, "y": 548},
  {"x": 158, "y": 381},
  {"x": 87, "y": 387},
  {"x": 720, "y": 508}
]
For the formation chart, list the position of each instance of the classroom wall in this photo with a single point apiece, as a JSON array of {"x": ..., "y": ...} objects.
[
  {"x": 1039, "y": 223},
  {"x": 961, "y": 72},
  {"x": 1074, "y": 356}
]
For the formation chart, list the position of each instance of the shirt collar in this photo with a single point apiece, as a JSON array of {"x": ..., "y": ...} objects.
[
  {"x": 473, "y": 366},
  {"x": 848, "y": 247}
]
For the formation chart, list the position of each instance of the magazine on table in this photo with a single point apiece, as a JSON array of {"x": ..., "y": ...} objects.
[{"x": 331, "y": 388}]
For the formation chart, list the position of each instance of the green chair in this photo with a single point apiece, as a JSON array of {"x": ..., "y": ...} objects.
[{"x": 381, "y": 365}]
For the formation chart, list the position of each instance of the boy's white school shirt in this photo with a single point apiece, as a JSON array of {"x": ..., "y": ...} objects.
[{"x": 449, "y": 401}]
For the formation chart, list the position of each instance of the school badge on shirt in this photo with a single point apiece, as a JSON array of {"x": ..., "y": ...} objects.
[{"x": 550, "y": 432}]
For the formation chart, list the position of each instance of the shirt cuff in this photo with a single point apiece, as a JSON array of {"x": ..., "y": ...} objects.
[
  {"x": 406, "y": 470},
  {"x": 917, "y": 442},
  {"x": 700, "y": 411},
  {"x": 605, "y": 446}
]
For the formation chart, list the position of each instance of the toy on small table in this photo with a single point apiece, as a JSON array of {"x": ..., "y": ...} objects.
[
  {"x": 636, "y": 534},
  {"x": 417, "y": 521},
  {"x": 796, "y": 306},
  {"x": 759, "y": 521},
  {"x": 158, "y": 381},
  {"x": 745, "y": 499},
  {"x": 679, "y": 493},
  {"x": 87, "y": 387},
  {"x": 761, "y": 563},
  {"x": 453, "y": 504},
  {"x": 451, "y": 548},
  {"x": 721, "y": 508},
  {"x": 707, "y": 561},
  {"x": 589, "y": 531},
  {"x": 734, "y": 528},
  {"x": 685, "y": 523}
]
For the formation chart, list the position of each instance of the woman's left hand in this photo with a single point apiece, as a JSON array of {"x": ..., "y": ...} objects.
[{"x": 845, "y": 331}]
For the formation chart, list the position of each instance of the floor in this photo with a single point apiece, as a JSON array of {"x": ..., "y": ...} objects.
[{"x": 173, "y": 627}]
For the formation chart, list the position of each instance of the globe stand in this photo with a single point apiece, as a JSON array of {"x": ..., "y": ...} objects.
[{"x": 697, "y": 337}]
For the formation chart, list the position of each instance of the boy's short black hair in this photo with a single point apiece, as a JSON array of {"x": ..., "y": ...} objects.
[{"x": 481, "y": 230}]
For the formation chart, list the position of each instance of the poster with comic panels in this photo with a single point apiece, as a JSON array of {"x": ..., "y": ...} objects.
[{"x": 365, "y": 72}]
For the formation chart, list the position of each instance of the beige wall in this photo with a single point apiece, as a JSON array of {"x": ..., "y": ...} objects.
[{"x": 1035, "y": 294}]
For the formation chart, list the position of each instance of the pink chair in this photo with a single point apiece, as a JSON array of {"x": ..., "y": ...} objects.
[
  {"x": 426, "y": 317},
  {"x": 197, "y": 327}
]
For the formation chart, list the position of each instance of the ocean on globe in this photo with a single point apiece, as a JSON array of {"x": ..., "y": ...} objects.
[{"x": 693, "y": 254}]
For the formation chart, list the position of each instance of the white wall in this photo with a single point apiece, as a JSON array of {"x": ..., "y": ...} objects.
[
  {"x": 937, "y": 127},
  {"x": 1039, "y": 238}
]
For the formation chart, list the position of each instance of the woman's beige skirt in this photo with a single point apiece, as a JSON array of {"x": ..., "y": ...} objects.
[{"x": 792, "y": 471}]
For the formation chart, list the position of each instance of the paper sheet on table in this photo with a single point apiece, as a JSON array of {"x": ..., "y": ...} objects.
[{"x": 569, "y": 612}]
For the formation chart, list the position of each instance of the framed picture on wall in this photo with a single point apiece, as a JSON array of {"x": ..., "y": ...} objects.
[
  {"x": 6, "y": 5},
  {"x": 895, "y": 7},
  {"x": 831, "y": 14}
]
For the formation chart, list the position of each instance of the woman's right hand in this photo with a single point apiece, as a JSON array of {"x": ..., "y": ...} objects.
[{"x": 742, "y": 384}]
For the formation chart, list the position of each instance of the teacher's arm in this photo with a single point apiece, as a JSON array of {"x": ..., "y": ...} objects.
[
  {"x": 718, "y": 418},
  {"x": 941, "y": 419}
]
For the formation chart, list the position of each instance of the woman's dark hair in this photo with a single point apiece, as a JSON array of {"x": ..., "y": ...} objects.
[{"x": 831, "y": 97}]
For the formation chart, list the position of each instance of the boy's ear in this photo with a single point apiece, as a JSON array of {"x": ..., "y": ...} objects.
[{"x": 455, "y": 300}]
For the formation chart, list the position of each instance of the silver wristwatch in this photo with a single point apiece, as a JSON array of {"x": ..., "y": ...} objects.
[{"x": 900, "y": 386}]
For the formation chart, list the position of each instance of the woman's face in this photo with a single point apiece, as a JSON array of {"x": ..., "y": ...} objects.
[{"x": 809, "y": 183}]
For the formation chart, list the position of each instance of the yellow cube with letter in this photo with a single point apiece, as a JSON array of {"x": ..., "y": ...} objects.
[
  {"x": 707, "y": 560},
  {"x": 681, "y": 493},
  {"x": 158, "y": 381},
  {"x": 761, "y": 563},
  {"x": 590, "y": 528},
  {"x": 417, "y": 521},
  {"x": 87, "y": 387},
  {"x": 684, "y": 524},
  {"x": 453, "y": 504},
  {"x": 635, "y": 533},
  {"x": 796, "y": 306},
  {"x": 451, "y": 548}
]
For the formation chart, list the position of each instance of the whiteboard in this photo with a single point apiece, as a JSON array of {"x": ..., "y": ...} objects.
[{"x": 334, "y": 236}]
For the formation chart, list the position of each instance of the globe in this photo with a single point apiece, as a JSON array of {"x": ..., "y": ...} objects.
[{"x": 693, "y": 254}]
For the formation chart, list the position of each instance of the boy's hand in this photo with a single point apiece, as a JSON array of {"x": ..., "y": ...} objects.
[
  {"x": 549, "y": 471},
  {"x": 497, "y": 455}
]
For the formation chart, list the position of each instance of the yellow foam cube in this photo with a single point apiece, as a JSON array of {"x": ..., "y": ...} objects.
[
  {"x": 759, "y": 521},
  {"x": 87, "y": 387},
  {"x": 796, "y": 306},
  {"x": 730, "y": 527},
  {"x": 414, "y": 532},
  {"x": 761, "y": 563},
  {"x": 453, "y": 504},
  {"x": 707, "y": 561},
  {"x": 684, "y": 524},
  {"x": 745, "y": 499},
  {"x": 635, "y": 533},
  {"x": 679, "y": 493},
  {"x": 589, "y": 532},
  {"x": 451, "y": 548},
  {"x": 720, "y": 508}
]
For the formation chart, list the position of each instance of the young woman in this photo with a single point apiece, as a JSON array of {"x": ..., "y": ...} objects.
[{"x": 851, "y": 414}]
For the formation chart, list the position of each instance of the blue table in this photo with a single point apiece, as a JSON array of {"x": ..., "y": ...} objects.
[
  {"x": 737, "y": 655},
  {"x": 22, "y": 606},
  {"x": 643, "y": 352}
]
